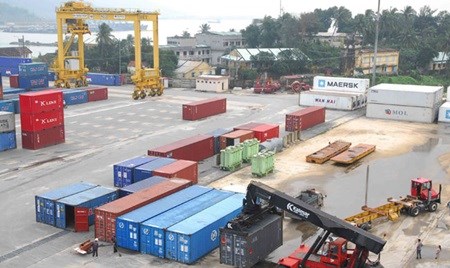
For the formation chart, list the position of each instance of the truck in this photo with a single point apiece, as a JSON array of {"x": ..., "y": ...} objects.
[
  {"x": 311, "y": 197},
  {"x": 261, "y": 199}
]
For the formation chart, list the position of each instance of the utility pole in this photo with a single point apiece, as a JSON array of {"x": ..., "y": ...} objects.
[{"x": 374, "y": 67}]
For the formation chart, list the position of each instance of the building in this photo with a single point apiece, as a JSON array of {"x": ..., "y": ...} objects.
[
  {"x": 440, "y": 62},
  {"x": 18, "y": 52},
  {"x": 220, "y": 43},
  {"x": 192, "y": 69},
  {"x": 194, "y": 53},
  {"x": 334, "y": 39},
  {"x": 387, "y": 61},
  {"x": 131, "y": 68},
  {"x": 214, "y": 83},
  {"x": 181, "y": 41}
]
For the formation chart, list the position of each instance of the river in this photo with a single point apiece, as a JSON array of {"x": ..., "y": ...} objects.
[{"x": 167, "y": 27}]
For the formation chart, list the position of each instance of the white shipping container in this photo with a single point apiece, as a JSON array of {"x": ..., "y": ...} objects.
[
  {"x": 406, "y": 95},
  {"x": 344, "y": 84},
  {"x": 402, "y": 113},
  {"x": 444, "y": 113},
  {"x": 332, "y": 100}
]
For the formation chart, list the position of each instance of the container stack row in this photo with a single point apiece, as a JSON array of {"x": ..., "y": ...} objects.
[
  {"x": 10, "y": 65},
  {"x": 42, "y": 119},
  {"x": 7, "y": 131}
]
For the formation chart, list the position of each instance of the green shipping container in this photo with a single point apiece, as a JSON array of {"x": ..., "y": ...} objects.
[{"x": 263, "y": 163}]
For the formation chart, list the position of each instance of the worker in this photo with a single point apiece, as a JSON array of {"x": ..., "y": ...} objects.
[
  {"x": 114, "y": 241},
  {"x": 419, "y": 249},
  {"x": 95, "y": 248},
  {"x": 438, "y": 251}
]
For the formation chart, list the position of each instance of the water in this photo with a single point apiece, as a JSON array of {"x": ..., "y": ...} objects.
[{"x": 167, "y": 27}]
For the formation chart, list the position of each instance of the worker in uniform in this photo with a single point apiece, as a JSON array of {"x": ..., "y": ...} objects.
[
  {"x": 95, "y": 248},
  {"x": 419, "y": 249},
  {"x": 114, "y": 241}
]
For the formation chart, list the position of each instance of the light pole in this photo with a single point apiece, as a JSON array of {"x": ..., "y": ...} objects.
[{"x": 375, "y": 51}]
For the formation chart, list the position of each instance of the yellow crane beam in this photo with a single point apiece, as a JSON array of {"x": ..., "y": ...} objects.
[{"x": 74, "y": 15}]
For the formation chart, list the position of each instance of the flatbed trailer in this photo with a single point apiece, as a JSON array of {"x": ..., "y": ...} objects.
[
  {"x": 364, "y": 219},
  {"x": 354, "y": 154},
  {"x": 326, "y": 153}
]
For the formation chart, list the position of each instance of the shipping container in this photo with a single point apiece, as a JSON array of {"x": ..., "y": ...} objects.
[
  {"x": 6, "y": 106},
  {"x": 35, "y": 81},
  {"x": 406, "y": 95},
  {"x": 153, "y": 231},
  {"x": 127, "y": 225},
  {"x": 216, "y": 135},
  {"x": 45, "y": 203},
  {"x": 106, "y": 215},
  {"x": 146, "y": 170},
  {"x": 40, "y": 139},
  {"x": 402, "y": 113},
  {"x": 124, "y": 171},
  {"x": 16, "y": 105},
  {"x": 344, "y": 84},
  {"x": 51, "y": 76},
  {"x": 73, "y": 97},
  {"x": 14, "y": 81},
  {"x": 33, "y": 69},
  {"x": 7, "y": 122},
  {"x": 235, "y": 137},
  {"x": 101, "y": 79},
  {"x": 266, "y": 132},
  {"x": 194, "y": 148},
  {"x": 7, "y": 71},
  {"x": 140, "y": 185},
  {"x": 1, "y": 87},
  {"x": 40, "y": 121},
  {"x": 252, "y": 244},
  {"x": 8, "y": 141},
  {"x": 13, "y": 61},
  {"x": 444, "y": 113},
  {"x": 77, "y": 211},
  {"x": 332, "y": 100},
  {"x": 305, "y": 118},
  {"x": 42, "y": 101},
  {"x": 193, "y": 238},
  {"x": 8, "y": 91},
  {"x": 201, "y": 109},
  {"x": 248, "y": 126},
  {"x": 97, "y": 94},
  {"x": 183, "y": 169}
]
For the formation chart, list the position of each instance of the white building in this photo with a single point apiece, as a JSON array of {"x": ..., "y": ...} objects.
[{"x": 213, "y": 83}]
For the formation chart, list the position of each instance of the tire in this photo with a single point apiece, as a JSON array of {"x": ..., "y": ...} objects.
[
  {"x": 414, "y": 211},
  {"x": 142, "y": 95},
  {"x": 135, "y": 95},
  {"x": 432, "y": 207}
]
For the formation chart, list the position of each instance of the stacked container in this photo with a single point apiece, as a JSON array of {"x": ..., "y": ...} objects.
[
  {"x": 33, "y": 75},
  {"x": 346, "y": 101},
  {"x": 146, "y": 170},
  {"x": 124, "y": 171},
  {"x": 106, "y": 215},
  {"x": 341, "y": 84},
  {"x": 235, "y": 137},
  {"x": 9, "y": 65},
  {"x": 42, "y": 119},
  {"x": 404, "y": 102},
  {"x": 140, "y": 185},
  {"x": 195, "y": 148},
  {"x": 305, "y": 118},
  {"x": 216, "y": 136},
  {"x": 201, "y": 109},
  {"x": 444, "y": 113},
  {"x": 6, "y": 106},
  {"x": 7, "y": 131},
  {"x": 182, "y": 169},
  {"x": 128, "y": 225}
]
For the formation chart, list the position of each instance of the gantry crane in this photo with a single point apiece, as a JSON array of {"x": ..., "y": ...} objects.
[{"x": 74, "y": 15}]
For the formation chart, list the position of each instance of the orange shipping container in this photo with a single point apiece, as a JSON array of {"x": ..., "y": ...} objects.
[
  {"x": 235, "y": 137},
  {"x": 182, "y": 169}
]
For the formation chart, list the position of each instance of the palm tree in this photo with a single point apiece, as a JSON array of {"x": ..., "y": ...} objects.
[
  {"x": 104, "y": 37},
  {"x": 204, "y": 28}
]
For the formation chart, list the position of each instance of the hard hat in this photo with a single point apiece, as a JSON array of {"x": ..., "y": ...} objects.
[{"x": 96, "y": 239}]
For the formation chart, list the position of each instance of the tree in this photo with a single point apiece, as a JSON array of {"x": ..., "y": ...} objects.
[
  {"x": 186, "y": 34},
  {"x": 269, "y": 32},
  {"x": 204, "y": 28},
  {"x": 252, "y": 34}
]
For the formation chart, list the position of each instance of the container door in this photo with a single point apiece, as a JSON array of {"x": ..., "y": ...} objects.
[{"x": 81, "y": 219}]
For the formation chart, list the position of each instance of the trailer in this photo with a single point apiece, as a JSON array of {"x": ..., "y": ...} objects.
[
  {"x": 326, "y": 153},
  {"x": 353, "y": 154}
]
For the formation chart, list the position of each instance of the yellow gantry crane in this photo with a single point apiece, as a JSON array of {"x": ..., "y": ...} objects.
[{"x": 74, "y": 15}]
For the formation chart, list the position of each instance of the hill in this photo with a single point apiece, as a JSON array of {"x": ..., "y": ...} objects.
[{"x": 9, "y": 13}]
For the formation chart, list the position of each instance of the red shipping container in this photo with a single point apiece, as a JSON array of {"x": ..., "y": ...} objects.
[
  {"x": 14, "y": 81},
  {"x": 235, "y": 137},
  {"x": 41, "y": 121},
  {"x": 266, "y": 132},
  {"x": 105, "y": 216},
  {"x": 201, "y": 109},
  {"x": 195, "y": 148},
  {"x": 44, "y": 138},
  {"x": 248, "y": 126},
  {"x": 182, "y": 169},
  {"x": 97, "y": 93},
  {"x": 41, "y": 101},
  {"x": 305, "y": 118}
]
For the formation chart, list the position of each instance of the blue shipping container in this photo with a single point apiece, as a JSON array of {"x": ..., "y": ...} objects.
[
  {"x": 8, "y": 71},
  {"x": 45, "y": 203},
  {"x": 123, "y": 171},
  {"x": 153, "y": 231},
  {"x": 51, "y": 76},
  {"x": 7, "y": 91},
  {"x": 127, "y": 226},
  {"x": 72, "y": 97},
  {"x": 140, "y": 185},
  {"x": 35, "y": 81},
  {"x": 146, "y": 171},
  {"x": 8, "y": 141},
  {"x": 6, "y": 106},
  {"x": 91, "y": 199},
  {"x": 32, "y": 69},
  {"x": 191, "y": 239},
  {"x": 16, "y": 105},
  {"x": 101, "y": 79},
  {"x": 13, "y": 61},
  {"x": 216, "y": 134}
]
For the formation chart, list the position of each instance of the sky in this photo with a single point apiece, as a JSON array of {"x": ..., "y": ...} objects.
[{"x": 245, "y": 9}]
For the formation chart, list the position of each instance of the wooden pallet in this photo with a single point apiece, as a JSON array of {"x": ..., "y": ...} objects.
[
  {"x": 354, "y": 154},
  {"x": 328, "y": 152}
]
